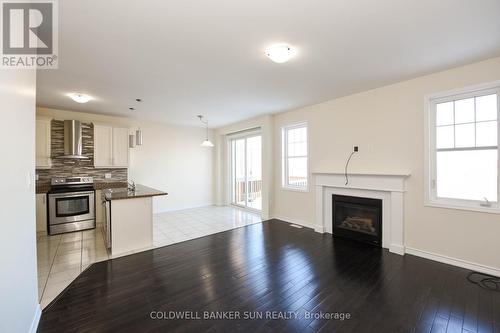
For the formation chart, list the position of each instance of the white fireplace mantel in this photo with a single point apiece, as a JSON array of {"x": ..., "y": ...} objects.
[{"x": 389, "y": 187}]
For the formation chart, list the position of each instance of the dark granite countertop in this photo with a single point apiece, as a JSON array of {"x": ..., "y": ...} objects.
[
  {"x": 141, "y": 191},
  {"x": 103, "y": 185}
]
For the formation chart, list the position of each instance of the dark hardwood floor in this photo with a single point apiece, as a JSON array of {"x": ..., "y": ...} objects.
[{"x": 269, "y": 267}]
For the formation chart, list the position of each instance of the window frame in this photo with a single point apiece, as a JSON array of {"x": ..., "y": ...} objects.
[
  {"x": 431, "y": 199},
  {"x": 285, "y": 158}
]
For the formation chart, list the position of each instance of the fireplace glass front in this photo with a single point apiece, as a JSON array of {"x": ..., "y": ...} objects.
[{"x": 357, "y": 218}]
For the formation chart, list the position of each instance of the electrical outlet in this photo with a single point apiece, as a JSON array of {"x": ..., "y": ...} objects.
[
  {"x": 356, "y": 148},
  {"x": 107, "y": 175}
]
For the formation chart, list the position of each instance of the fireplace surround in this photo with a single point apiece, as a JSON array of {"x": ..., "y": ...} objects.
[{"x": 389, "y": 188}]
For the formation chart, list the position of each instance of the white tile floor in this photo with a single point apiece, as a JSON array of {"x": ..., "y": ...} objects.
[
  {"x": 62, "y": 258},
  {"x": 174, "y": 227}
]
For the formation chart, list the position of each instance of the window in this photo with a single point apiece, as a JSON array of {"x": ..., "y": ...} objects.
[
  {"x": 295, "y": 161},
  {"x": 463, "y": 150}
]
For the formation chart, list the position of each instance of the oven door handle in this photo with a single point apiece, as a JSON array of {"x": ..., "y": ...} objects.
[{"x": 71, "y": 194}]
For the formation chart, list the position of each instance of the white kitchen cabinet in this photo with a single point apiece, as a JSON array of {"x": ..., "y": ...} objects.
[
  {"x": 110, "y": 147},
  {"x": 99, "y": 209},
  {"x": 42, "y": 143},
  {"x": 103, "y": 149},
  {"x": 41, "y": 212},
  {"x": 120, "y": 147}
]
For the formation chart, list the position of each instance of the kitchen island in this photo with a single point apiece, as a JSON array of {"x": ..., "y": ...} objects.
[{"x": 129, "y": 218}]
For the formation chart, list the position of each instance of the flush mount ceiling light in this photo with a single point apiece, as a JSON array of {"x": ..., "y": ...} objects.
[
  {"x": 206, "y": 143},
  {"x": 280, "y": 53},
  {"x": 80, "y": 98}
]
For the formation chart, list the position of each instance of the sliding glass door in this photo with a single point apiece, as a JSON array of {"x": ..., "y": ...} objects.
[{"x": 246, "y": 171}]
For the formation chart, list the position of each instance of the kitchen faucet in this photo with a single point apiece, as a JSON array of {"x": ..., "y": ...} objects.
[{"x": 131, "y": 185}]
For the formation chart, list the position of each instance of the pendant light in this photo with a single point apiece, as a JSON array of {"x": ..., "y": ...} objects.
[
  {"x": 206, "y": 143},
  {"x": 138, "y": 137},
  {"x": 131, "y": 141}
]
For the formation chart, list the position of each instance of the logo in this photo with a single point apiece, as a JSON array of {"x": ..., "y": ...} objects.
[{"x": 29, "y": 34}]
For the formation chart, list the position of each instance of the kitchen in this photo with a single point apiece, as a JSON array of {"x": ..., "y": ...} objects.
[
  {"x": 170, "y": 159},
  {"x": 71, "y": 201},
  {"x": 81, "y": 168}
]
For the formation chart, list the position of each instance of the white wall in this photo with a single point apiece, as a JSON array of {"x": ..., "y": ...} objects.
[
  {"x": 170, "y": 159},
  {"x": 19, "y": 309},
  {"x": 388, "y": 125}
]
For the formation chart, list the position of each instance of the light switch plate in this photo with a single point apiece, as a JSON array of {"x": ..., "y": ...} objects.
[
  {"x": 28, "y": 180},
  {"x": 107, "y": 175}
]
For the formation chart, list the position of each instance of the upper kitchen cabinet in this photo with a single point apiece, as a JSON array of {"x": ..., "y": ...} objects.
[
  {"x": 43, "y": 160},
  {"x": 120, "y": 147},
  {"x": 110, "y": 146}
]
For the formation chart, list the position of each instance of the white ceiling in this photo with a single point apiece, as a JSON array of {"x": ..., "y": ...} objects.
[{"x": 189, "y": 57}]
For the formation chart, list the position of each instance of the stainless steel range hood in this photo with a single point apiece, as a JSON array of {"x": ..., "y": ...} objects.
[{"x": 73, "y": 145}]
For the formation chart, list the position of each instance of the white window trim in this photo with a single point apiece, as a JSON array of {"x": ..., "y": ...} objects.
[
  {"x": 284, "y": 157},
  {"x": 430, "y": 198}
]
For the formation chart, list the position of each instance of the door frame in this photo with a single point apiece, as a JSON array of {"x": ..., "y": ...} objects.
[{"x": 230, "y": 137}]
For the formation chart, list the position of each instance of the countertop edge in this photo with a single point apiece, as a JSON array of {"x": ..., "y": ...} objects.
[
  {"x": 140, "y": 192},
  {"x": 139, "y": 196}
]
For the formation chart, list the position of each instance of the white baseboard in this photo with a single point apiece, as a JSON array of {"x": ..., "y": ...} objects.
[
  {"x": 36, "y": 319},
  {"x": 397, "y": 249},
  {"x": 299, "y": 222},
  {"x": 319, "y": 229},
  {"x": 454, "y": 261}
]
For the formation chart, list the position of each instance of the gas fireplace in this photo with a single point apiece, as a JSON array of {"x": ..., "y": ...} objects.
[{"x": 357, "y": 218}]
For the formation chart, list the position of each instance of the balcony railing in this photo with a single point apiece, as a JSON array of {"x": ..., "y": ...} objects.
[
  {"x": 297, "y": 181},
  {"x": 254, "y": 190}
]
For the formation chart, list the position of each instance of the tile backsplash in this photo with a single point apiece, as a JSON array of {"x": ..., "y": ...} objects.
[{"x": 75, "y": 167}]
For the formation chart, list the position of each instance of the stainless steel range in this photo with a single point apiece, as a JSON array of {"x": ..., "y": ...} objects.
[{"x": 71, "y": 205}]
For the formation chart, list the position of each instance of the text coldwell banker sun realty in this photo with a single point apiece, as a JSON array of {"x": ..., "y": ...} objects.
[{"x": 247, "y": 315}]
